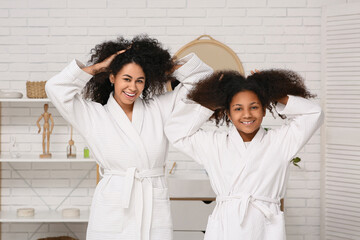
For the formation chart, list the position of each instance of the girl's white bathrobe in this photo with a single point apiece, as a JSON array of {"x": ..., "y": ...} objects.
[
  {"x": 131, "y": 201},
  {"x": 248, "y": 181}
]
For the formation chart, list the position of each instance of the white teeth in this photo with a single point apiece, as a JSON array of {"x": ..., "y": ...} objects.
[
  {"x": 129, "y": 94},
  {"x": 247, "y": 123}
]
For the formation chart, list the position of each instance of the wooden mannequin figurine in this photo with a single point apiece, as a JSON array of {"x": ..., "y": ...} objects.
[
  {"x": 46, "y": 131},
  {"x": 71, "y": 149}
]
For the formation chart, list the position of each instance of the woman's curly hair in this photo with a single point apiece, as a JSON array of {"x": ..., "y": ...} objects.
[
  {"x": 217, "y": 91},
  {"x": 148, "y": 53}
]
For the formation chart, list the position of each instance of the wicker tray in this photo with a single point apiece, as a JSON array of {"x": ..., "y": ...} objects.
[{"x": 35, "y": 89}]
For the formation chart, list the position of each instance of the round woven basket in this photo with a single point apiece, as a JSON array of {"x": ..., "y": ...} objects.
[{"x": 35, "y": 89}]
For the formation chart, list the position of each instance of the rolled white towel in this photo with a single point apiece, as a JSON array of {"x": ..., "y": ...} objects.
[
  {"x": 70, "y": 212},
  {"x": 25, "y": 212}
]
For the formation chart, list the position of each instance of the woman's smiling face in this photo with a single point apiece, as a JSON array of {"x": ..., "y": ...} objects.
[
  {"x": 129, "y": 83},
  {"x": 246, "y": 113}
]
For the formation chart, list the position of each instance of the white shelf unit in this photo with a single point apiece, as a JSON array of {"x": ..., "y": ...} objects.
[
  {"x": 53, "y": 215},
  {"x": 43, "y": 217},
  {"x": 36, "y": 158},
  {"x": 27, "y": 100}
]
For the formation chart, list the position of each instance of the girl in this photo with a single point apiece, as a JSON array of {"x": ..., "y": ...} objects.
[
  {"x": 247, "y": 166},
  {"x": 122, "y": 121}
]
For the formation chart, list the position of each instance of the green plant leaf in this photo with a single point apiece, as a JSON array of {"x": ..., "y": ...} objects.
[{"x": 295, "y": 161}]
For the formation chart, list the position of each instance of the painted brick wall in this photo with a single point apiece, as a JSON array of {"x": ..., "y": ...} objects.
[{"x": 38, "y": 38}]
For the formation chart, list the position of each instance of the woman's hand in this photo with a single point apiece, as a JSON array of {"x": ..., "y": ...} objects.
[
  {"x": 256, "y": 71},
  {"x": 101, "y": 66}
]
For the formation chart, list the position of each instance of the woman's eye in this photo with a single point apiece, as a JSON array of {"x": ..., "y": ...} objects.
[
  {"x": 140, "y": 81},
  {"x": 127, "y": 79}
]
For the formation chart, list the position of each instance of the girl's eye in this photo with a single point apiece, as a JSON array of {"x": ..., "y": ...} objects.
[
  {"x": 237, "y": 109},
  {"x": 254, "y": 107}
]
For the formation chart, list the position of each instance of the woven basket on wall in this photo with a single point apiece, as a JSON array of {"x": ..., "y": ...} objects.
[
  {"x": 35, "y": 89},
  {"x": 58, "y": 238}
]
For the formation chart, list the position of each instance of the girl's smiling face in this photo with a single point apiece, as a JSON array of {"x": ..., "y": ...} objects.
[{"x": 246, "y": 113}]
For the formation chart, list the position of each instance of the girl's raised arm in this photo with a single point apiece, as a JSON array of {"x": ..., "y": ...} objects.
[
  {"x": 192, "y": 70},
  {"x": 183, "y": 129},
  {"x": 304, "y": 118}
]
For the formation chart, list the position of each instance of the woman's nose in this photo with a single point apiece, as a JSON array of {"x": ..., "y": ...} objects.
[{"x": 132, "y": 86}]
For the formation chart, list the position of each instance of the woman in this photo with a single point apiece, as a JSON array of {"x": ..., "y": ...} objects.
[
  {"x": 247, "y": 166},
  {"x": 122, "y": 120}
]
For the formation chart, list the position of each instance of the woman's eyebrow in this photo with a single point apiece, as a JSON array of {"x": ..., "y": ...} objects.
[{"x": 127, "y": 75}]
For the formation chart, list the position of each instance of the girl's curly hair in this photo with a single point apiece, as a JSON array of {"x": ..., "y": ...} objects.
[
  {"x": 278, "y": 83},
  {"x": 148, "y": 53},
  {"x": 217, "y": 91}
]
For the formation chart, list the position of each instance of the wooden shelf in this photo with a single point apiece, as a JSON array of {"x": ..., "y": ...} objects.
[
  {"x": 43, "y": 216},
  {"x": 35, "y": 158},
  {"x": 24, "y": 100}
]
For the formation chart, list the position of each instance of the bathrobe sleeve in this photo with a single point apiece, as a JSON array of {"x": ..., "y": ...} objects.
[
  {"x": 184, "y": 132},
  {"x": 191, "y": 71},
  {"x": 304, "y": 118},
  {"x": 64, "y": 91}
]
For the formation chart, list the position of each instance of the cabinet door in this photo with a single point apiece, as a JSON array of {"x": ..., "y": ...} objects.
[
  {"x": 190, "y": 215},
  {"x": 188, "y": 235},
  {"x": 341, "y": 131}
]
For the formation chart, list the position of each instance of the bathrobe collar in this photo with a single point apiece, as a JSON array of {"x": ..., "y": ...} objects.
[
  {"x": 245, "y": 152},
  {"x": 131, "y": 129}
]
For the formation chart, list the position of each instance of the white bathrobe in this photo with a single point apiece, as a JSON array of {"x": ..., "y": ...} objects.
[
  {"x": 131, "y": 201},
  {"x": 248, "y": 189}
]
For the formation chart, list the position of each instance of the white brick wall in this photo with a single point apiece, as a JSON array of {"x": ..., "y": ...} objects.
[{"x": 39, "y": 37}]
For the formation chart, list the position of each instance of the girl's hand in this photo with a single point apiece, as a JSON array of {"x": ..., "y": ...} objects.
[
  {"x": 101, "y": 66},
  {"x": 283, "y": 100},
  {"x": 177, "y": 66}
]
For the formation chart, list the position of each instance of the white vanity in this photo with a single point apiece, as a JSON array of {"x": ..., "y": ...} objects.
[{"x": 192, "y": 201}]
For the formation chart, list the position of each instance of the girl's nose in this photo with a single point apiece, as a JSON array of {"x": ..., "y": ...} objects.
[{"x": 247, "y": 113}]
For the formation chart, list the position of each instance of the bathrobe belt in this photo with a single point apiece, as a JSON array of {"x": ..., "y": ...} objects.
[
  {"x": 245, "y": 200},
  {"x": 144, "y": 191}
]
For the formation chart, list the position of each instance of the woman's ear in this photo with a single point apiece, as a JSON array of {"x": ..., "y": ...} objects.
[{"x": 112, "y": 78}]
